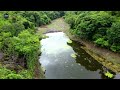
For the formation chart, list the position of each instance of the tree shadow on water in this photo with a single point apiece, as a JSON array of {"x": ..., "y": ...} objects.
[{"x": 87, "y": 61}]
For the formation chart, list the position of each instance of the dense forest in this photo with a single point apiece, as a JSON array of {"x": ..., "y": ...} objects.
[
  {"x": 20, "y": 43},
  {"x": 100, "y": 27}
]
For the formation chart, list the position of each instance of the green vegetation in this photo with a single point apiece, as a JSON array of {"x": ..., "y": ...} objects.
[
  {"x": 20, "y": 37},
  {"x": 69, "y": 41},
  {"x": 108, "y": 74},
  {"x": 20, "y": 43},
  {"x": 101, "y": 27},
  {"x": 73, "y": 55},
  {"x": 42, "y": 17},
  {"x": 11, "y": 74}
]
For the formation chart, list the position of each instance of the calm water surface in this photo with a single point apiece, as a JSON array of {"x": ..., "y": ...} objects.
[{"x": 56, "y": 59}]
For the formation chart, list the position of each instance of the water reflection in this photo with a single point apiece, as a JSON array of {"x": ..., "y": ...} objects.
[
  {"x": 88, "y": 62},
  {"x": 57, "y": 60},
  {"x": 85, "y": 59}
]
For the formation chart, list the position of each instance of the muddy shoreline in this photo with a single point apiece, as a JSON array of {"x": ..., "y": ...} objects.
[{"x": 106, "y": 57}]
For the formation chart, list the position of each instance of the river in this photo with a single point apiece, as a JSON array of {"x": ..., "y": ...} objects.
[{"x": 59, "y": 64}]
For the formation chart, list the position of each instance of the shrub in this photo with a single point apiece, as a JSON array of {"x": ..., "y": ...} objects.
[
  {"x": 13, "y": 76},
  {"x": 102, "y": 27}
]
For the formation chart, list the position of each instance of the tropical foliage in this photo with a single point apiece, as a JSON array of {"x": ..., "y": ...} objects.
[
  {"x": 19, "y": 41},
  {"x": 101, "y": 27}
]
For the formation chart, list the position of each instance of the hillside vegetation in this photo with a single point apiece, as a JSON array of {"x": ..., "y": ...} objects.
[
  {"x": 19, "y": 43},
  {"x": 100, "y": 27}
]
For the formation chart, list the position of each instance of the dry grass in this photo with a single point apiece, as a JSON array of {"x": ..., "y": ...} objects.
[{"x": 55, "y": 25}]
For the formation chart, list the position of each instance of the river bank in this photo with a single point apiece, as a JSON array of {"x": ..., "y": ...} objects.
[
  {"x": 11, "y": 67},
  {"x": 107, "y": 58},
  {"x": 63, "y": 60},
  {"x": 104, "y": 56}
]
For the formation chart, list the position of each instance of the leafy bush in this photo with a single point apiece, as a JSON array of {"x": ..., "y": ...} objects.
[
  {"x": 9, "y": 74},
  {"x": 102, "y": 27},
  {"x": 13, "y": 76},
  {"x": 4, "y": 72},
  {"x": 70, "y": 18},
  {"x": 114, "y": 33},
  {"x": 26, "y": 74},
  {"x": 27, "y": 46},
  {"x": 96, "y": 36},
  {"x": 54, "y": 14},
  {"x": 4, "y": 38},
  {"x": 115, "y": 48},
  {"x": 102, "y": 42},
  {"x": 18, "y": 38},
  {"x": 26, "y": 43}
]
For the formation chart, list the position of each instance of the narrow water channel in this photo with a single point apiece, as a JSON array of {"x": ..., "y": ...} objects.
[{"x": 58, "y": 63}]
